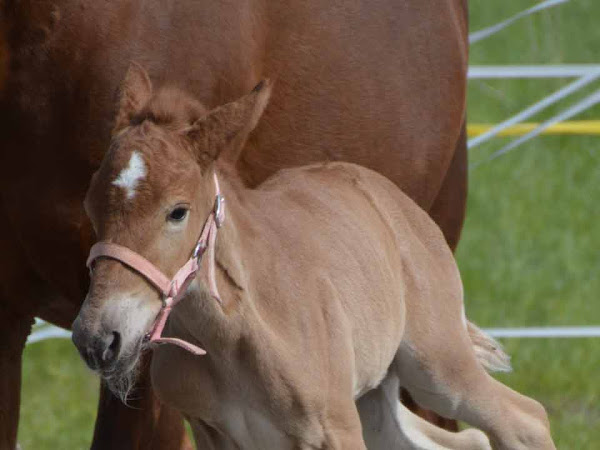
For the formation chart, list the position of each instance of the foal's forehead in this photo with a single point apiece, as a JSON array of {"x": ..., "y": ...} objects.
[
  {"x": 129, "y": 162},
  {"x": 130, "y": 176},
  {"x": 142, "y": 161}
]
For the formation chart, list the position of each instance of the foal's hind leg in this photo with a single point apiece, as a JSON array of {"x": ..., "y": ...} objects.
[
  {"x": 388, "y": 424},
  {"x": 439, "y": 368}
]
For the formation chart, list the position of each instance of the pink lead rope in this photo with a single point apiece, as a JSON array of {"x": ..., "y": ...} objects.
[{"x": 172, "y": 290}]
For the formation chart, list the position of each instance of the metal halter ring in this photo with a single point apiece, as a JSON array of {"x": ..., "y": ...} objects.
[{"x": 218, "y": 209}]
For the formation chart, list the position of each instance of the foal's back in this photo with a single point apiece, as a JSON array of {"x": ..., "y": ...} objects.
[{"x": 344, "y": 201}]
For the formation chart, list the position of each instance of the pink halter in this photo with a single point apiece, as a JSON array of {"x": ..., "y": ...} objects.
[{"x": 171, "y": 290}]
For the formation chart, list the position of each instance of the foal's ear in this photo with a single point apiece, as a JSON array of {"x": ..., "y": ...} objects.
[
  {"x": 134, "y": 92},
  {"x": 226, "y": 128}
]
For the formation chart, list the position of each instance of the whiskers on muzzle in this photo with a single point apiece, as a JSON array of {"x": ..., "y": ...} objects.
[{"x": 121, "y": 378}]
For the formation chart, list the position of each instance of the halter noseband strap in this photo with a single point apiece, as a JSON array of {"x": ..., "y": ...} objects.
[{"x": 171, "y": 290}]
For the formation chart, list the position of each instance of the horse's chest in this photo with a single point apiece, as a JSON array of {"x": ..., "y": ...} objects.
[{"x": 236, "y": 410}]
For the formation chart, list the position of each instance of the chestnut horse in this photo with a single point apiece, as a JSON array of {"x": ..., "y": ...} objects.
[
  {"x": 381, "y": 84},
  {"x": 322, "y": 283}
]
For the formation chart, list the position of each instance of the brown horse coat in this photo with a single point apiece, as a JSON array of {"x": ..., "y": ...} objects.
[{"x": 376, "y": 83}]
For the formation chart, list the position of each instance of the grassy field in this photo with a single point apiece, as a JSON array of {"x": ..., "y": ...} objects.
[{"x": 529, "y": 254}]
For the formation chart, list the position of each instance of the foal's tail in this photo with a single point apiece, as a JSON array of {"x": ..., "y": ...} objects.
[{"x": 489, "y": 352}]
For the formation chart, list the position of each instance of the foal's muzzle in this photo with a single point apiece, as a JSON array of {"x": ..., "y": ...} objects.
[{"x": 99, "y": 351}]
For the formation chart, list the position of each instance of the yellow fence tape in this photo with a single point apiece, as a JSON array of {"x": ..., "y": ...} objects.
[{"x": 582, "y": 127}]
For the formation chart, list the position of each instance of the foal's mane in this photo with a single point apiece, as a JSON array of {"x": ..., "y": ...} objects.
[{"x": 171, "y": 108}]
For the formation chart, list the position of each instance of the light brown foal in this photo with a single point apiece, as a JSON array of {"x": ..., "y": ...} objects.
[{"x": 333, "y": 282}]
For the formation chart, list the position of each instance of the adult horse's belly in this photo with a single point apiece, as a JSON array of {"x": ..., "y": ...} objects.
[{"x": 366, "y": 84}]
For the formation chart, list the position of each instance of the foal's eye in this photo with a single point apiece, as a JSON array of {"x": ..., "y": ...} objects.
[{"x": 178, "y": 214}]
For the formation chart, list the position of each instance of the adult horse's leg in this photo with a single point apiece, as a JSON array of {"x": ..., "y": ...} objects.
[
  {"x": 144, "y": 424},
  {"x": 19, "y": 289},
  {"x": 14, "y": 329}
]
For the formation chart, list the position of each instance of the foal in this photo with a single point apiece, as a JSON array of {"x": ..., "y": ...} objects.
[{"x": 326, "y": 284}]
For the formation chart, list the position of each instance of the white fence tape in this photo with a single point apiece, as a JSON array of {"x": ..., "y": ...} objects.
[
  {"x": 50, "y": 331},
  {"x": 545, "y": 332},
  {"x": 43, "y": 330},
  {"x": 531, "y": 71},
  {"x": 490, "y": 31}
]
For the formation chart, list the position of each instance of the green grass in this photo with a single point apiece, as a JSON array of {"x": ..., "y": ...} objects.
[
  {"x": 58, "y": 398},
  {"x": 529, "y": 253}
]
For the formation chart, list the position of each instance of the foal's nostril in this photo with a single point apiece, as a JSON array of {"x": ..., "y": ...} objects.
[
  {"x": 98, "y": 350},
  {"x": 111, "y": 351},
  {"x": 90, "y": 358}
]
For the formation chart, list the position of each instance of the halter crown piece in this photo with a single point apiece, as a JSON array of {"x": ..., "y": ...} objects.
[{"x": 172, "y": 291}]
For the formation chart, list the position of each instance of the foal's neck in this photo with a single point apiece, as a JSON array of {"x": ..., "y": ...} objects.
[
  {"x": 199, "y": 317},
  {"x": 229, "y": 244}
]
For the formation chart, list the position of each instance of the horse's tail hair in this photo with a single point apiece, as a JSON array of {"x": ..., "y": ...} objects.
[{"x": 489, "y": 352}]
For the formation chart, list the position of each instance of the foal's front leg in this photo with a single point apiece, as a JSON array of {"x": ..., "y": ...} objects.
[{"x": 343, "y": 429}]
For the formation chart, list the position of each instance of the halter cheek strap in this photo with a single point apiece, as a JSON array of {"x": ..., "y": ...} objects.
[{"x": 171, "y": 290}]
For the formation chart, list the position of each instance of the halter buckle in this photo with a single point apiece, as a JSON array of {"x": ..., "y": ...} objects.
[
  {"x": 199, "y": 249},
  {"x": 218, "y": 210}
]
